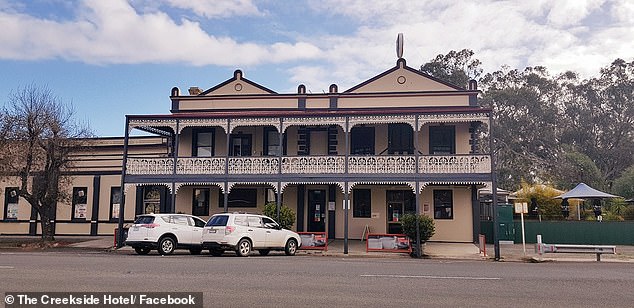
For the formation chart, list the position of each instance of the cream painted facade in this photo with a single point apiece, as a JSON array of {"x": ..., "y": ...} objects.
[{"x": 400, "y": 142}]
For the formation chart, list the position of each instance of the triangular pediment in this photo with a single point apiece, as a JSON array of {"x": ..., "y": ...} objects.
[
  {"x": 402, "y": 78},
  {"x": 238, "y": 85}
]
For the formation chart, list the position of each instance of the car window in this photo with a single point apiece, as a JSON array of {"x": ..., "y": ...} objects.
[
  {"x": 179, "y": 220},
  {"x": 166, "y": 219},
  {"x": 254, "y": 221},
  {"x": 141, "y": 220},
  {"x": 240, "y": 221},
  {"x": 197, "y": 222},
  {"x": 217, "y": 221},
  {"x": 269, "y": 223}
]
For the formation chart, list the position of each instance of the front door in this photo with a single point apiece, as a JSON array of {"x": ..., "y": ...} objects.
[{"x": 316, "y": 210}]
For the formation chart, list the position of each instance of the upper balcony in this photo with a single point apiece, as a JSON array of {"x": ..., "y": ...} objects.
[{"x": 312, "y": 165}]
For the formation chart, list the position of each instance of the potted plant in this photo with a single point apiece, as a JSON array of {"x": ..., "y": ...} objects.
[
  {"x": 426, "y": 230},
  {"x": 287, "y": 216}
]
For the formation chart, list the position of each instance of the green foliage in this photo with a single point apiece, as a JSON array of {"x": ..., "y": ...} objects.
[
  {"x": 427, "y": 227},
  {"x": 575, "y": 168},
  {"x": 455, "y": 67},
  {"x": 287, "y": 215},
  {"x": 624, "y": 185},
  {"x": 628, "y": 214},
  {"x": 549, "y": 208}
]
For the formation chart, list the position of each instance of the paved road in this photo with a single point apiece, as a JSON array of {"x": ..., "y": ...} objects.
[{"x": 280, "y": 281}]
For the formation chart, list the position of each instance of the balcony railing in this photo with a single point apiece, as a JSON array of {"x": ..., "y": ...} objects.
[{"x": 333, "y": 164}]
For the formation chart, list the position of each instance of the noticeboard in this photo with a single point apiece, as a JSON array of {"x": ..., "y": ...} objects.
[
  {"x": 314, "y": 240},
  {"x": 388, "y": 243}
]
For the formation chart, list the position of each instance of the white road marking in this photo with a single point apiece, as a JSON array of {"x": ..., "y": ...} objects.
[
  {"x": 6, "y": 267},
  {"x": 433, "y": 277}
]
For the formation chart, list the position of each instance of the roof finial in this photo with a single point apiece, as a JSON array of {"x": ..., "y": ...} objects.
[{"x": 399, "y": 46}]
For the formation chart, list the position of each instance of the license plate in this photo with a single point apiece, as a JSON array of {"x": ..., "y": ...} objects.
[
  {"x": 212, "y": 231},
  {"x": 135, "y": 228}
]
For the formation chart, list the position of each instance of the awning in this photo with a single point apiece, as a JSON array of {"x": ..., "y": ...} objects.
[{"x": 583, "y": 191}]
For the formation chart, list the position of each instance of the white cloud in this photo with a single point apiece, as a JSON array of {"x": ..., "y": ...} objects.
[
  {"x": 217, "y": 8},
  {"x": 114, "y": 32},
  {"x": 579, "y": 35}
]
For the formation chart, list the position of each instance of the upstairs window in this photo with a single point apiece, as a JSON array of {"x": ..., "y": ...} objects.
[
  {"x": 240, "y": 145},
  {"x": 442, "y": 140},
  {"x": 203, "y": 143},
  {"x": 271, "y": 142},
  {"x": 400, "y": 139},
  {"x": 362, "y": 140}
]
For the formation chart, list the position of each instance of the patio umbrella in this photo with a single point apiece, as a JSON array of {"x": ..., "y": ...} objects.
[{"x": 583, "y": 191}]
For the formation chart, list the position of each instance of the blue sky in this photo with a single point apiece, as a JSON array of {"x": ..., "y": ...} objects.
[{"x": 116, "y": 57}]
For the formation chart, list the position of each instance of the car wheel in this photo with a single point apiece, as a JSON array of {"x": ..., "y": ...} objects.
[
  {"x": 291, "y": 247},
  {"x": 195, "y": 251},
  {"x": 244, "y": 248},
  {"x": 216, "y": 252},
  {"x": 166, "y": 245},
  {"x": 142, "y": 250},
  {"x": 264, "y": 252}
]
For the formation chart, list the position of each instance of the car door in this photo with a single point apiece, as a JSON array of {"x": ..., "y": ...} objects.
[
  {"x": 275, "y": 237},
  {"x": 179, "y": 225},
  {"x": 197, "y": 226},
  {"x": 256, "y": 231}
]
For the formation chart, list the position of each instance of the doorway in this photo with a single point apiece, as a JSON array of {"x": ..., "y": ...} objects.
[{"x": 316, "y": 210}]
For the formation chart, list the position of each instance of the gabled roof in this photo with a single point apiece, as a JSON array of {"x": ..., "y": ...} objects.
[
  {"x": 238, "y": 85},
  {"x": 403, "y": 78}
]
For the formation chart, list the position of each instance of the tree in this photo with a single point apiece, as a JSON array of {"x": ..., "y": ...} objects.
[
  {"x": 456, "y": 67},
  {"x": 601, "y": 118},
  {"x": 287, "y": 215},
  {"x": 574, "y": 168},
  {"x": 624, "y": 185},
  {"x": 38, "y": 135},
  {"x": 426, "y": 228}
]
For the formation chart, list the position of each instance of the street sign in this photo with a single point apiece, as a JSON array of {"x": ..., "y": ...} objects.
[{"x": 521, "y": 207}]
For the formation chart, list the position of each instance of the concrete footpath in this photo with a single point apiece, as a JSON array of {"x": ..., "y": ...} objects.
[{"x": 357, "y": 248}]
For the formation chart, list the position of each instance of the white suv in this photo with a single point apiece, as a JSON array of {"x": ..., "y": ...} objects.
[
  {"x": 165, "y": 233},
  {"x": 246, "y": 232}
]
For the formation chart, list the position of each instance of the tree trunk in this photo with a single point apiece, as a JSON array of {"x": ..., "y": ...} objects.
[{"x": 47, "y": 228}]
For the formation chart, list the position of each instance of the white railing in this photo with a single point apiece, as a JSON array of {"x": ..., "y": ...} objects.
[
  {"x": 253, "y": 165},
  {"x": 149, "y": 165},
  {"x": 201, "y": 165},
  {"x": 455, "y": 164},
  {"x": 382, "y": 164},
  {"x": 313, "y": 164},
  {"x": 335, "y": 164}
]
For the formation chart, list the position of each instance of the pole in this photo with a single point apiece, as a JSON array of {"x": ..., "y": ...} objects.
[
  {"x": 523, "y": 234},
  {"x": 494, "y": 192},
  {"x": 120, "y": 237}
]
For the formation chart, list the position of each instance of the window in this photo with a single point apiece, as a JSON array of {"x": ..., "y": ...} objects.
[
  {"x": 442, "y": 140},
  {"x": 203, "y": 143},
  {"x": 151, "y": 200},
  {"x": 218, "y": 221},
  {"x": 11, "y": 203},
  {"x": 362, "y": 140},
  {"x": 269, "y": 223},
  {"x": 240, "y": 145},
  {"x": 242, "y": 197},
  {"x": 115, "y": 202},
  {"x": 400, "y": 139},
  {"x": 362, "y": 205},
  {"x": 399, "y": 202},
  {"x": 443, "y": 204},
  {"x": 200, "y": 206},
  {"x": 80, "y": 207},
  {"x": 254, "y": 221},
  {"x": 271, "y": 142}
]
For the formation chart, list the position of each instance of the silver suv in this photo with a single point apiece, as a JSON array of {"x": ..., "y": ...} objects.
[
  {"x": 165, "y": 233},
  {"x": 246, "y": 232}
]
